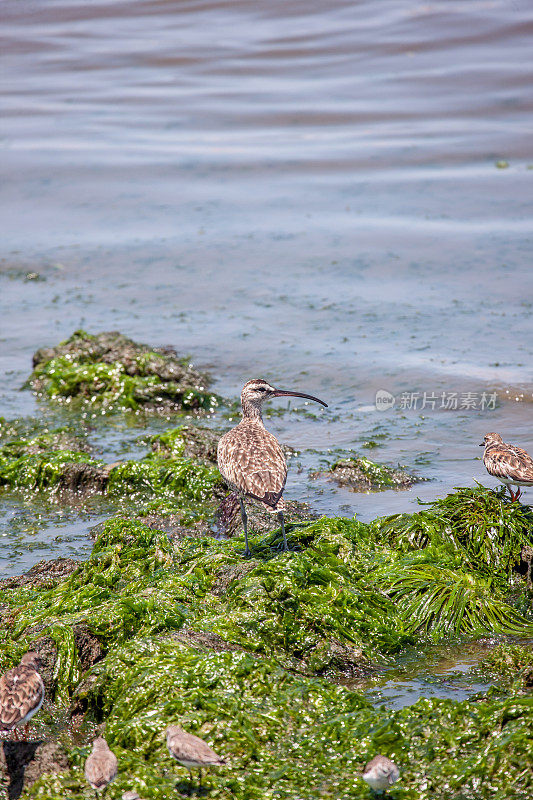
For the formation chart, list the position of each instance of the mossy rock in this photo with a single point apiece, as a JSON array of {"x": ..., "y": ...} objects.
[
  {"x": 187, "y": 441},
  {"x": 27, "y": 465},
  {"x": 363, "y": 475},
  {"x": 112, "y": 372},
  {"x": 149, "y": 632}
]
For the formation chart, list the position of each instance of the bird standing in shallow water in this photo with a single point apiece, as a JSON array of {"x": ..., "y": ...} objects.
[
  {"x": 381, "y": 773},
  {"x": 507, "y": 462},
  {"x": 250, "y": 458}
]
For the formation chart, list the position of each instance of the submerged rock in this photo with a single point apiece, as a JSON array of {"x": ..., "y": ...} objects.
[
  {"x": 364, "y": 475},
  {"x": 113, "y": 372}
]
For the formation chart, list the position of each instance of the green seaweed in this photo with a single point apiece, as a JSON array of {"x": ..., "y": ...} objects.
[
  {"x": 482, "y": 527},
  {"x": 362, "y": 474},
  {"x": 110, "y": 372},
  {"x": 333, "y": 602},
  {"x": 109, "y": 386},
  {"x": 286, "y": 736}
]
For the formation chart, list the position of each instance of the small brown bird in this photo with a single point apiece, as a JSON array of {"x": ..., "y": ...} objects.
[
  {"x": 191, "y": 751},
  {"x": 381, "y": 773},
  {"x": 21, "y": 694},
  {"x": 250, "y": 458},
  {"x": 507, "y": 462},
  {"x": 101, "y": 766}
]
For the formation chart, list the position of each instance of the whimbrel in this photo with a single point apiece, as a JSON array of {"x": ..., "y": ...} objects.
[
  {"x": 191, "y": 751},
  {"x": 380, "y": 773},
  {"x": 250, "y": 457},
  {"x": 507, "y": 462},
  {"x": 101, "y": 766},
  {"x": 21, "y": 694}
]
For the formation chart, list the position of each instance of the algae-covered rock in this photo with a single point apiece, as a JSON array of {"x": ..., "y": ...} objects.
[
  {"x": 189, "y": 441},
  {"x": 113, "y": 372},
  {"x": 481, "y": 527},
  {"x": 151, "y": 631},
  {"x": 157, "y": 480},
  {"x": 363, "y": 475}
]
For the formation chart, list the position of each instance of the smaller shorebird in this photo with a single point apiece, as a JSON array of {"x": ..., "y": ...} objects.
[
  {"x": 507, "y": 462},
  {"x": 250, "y": 458},
  {"x": 381, "y": 773},
  {"x": 191, "y": 751},
  {"x": 21, "y": 694},
  {"x": 101, "y": 766}
]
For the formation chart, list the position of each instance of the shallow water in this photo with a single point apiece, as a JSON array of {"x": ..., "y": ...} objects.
[{"x": 304, "y": 191}]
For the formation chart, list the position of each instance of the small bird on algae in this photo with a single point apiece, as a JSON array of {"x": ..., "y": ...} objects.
[
  {"x": 380, "y": 773},
  {"x": 191, "y": 751},
  {"x": 250, "y": 458},
  {"x": 101, "y": 766},
  {"x": 508, "y": 463}
]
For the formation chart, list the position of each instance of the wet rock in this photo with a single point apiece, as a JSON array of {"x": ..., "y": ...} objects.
[
  {"x": 228, "y": 520},
  {"x": 88, "y": 648},
  {"x": 78, "y": 477},
  {"x": 230, "y": 574},
  {"x": 174, "y": 526},
  {"x": 56, "y": 440},
  {"x": 204, "y": 640},
  {"x": 24, "y": 762},
  {"x": 363, "y": 475},
  {"x": 189, "y": 441},
  {"x": 111, "y": 370},
  {"x": 44, "y": 574}
]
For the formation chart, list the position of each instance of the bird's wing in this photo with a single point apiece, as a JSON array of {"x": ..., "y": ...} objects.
[
  {"x": 509, "y": 462},
  {"x": 21, "y": 690},
  {"x": 254, "y": 463}
]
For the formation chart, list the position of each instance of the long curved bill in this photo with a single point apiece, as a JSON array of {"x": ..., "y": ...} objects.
[{"x": 283, "y": 393}]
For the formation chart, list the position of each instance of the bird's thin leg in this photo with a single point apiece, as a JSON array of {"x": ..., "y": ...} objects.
[
  {"x": 247, "y": 551},
  {"x": 513, "y": 495},
  {"x": 26, "y": 730},
  {"x": 282, "y": 523},
  {"x": 200, "y": 778}
]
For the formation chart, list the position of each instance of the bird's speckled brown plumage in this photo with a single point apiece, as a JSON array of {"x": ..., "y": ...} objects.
[
  {"x": 250, "y": 457},
  {"x": 21, "y": 693},
  {"x": 507, "y": 462},
  {"x": 101, "y": 766},
  {"x": 253, "y": 463}
]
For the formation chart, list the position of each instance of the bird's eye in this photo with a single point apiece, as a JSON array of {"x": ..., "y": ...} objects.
[{"x": 261, "y": 389}]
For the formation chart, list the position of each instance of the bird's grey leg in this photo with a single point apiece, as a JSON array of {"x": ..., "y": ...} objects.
[
  {"x": 282, "y": 523},
  {"x": 247, "y": 551},
  {"x": 200, "y": 778}
]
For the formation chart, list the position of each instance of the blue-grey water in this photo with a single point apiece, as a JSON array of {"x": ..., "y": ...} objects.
[{"x": 335, "y": 196}]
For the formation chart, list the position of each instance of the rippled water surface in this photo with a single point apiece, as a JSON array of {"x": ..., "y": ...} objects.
[{"x": 335, "y": 196}]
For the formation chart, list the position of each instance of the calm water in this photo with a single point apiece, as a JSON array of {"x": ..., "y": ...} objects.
[{"x": 303, "y": 191}]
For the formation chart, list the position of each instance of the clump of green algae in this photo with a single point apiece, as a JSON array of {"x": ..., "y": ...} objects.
[
  {"x": 295, "y": 616},
  {"x": 111, "y": 372},
  {"x": 360, "y": 474}
]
